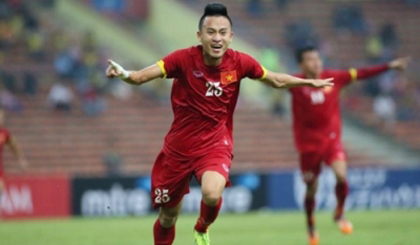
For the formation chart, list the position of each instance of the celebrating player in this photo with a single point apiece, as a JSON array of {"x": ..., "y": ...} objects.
[
  {"x": 199, "y": 143},
  {"x": 317, "y": 129},
  {"x": 6, "y": 138}
]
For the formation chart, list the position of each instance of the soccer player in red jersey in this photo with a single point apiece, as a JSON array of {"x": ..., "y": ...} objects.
[
  {"x": 317, "y": 129},
  {"x": 199, "y": 143},
  {"x": 7, "y": 139}
]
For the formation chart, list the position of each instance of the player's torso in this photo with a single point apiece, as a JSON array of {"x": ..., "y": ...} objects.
[
  {"x": 202, "y": 99},
  {"x": 206, "y": 90},
  {"x": 315, "y": 107},
  {"x": 316, "y": 113}
]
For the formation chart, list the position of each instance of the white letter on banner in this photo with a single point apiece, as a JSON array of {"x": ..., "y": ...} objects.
[{"x": 22, "y": 200}]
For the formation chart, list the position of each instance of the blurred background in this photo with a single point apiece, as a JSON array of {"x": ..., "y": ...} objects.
[{"x": 91, "y": 142}]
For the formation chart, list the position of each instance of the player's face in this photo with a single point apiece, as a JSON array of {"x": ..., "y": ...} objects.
[
  {"x": 215, "y": 36},
  {"x": 312, "y": 63}
]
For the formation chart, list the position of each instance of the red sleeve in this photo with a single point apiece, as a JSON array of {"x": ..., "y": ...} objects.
[
  {"x": 252, "y": 68},
  {"x": 368, "y": 72},
  {"x": 171, "y": 64},
  {"x": 343, "y": 78}
]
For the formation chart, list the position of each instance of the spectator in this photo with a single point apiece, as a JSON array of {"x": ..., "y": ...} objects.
[
  {"x": 300, "y": 34},
  {"x": 9, "y": 82},
  {"x": 6, "y": 34},
  {"x": 374, "y": 49},
  {"x": 350, "y": 18},
  {"x": 60, "y": 97},
  {"x": 385, "y": 109},
  {"x": 93, "y": 103},
  {"x": 30, "y": 83},
  {"x": 9, "y": 101},
  {"x": 388, "y": 36},
  {"x": 64, "y": 64},
  {"x": 31, "y": 22},
  {"x": 254, "y": 7},
  {"x": 281, "y": 4},
  {"x": 112, "y": 159},
  {"x": 90, "y": 92},
  {"x": 35, "y": 42},
  {"x": 122, "y": 91}
]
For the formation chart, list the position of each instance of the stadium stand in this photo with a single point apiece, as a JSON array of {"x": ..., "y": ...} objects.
[{"x": 75, "y": 142}]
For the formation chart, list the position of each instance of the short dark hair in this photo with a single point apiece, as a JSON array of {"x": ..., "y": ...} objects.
[
  {"x": 300, "y": 52},
  {"x": 214, "y": 9}
]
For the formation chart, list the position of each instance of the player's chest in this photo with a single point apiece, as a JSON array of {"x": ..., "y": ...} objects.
[
  {"x": 317, "y": 96},
  {"x": 212, "y": 83}
]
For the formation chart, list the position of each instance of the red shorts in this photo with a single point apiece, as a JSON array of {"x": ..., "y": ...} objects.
[
  {"x": 310, "y": 162},
  {"x": 171, "y": 178}
]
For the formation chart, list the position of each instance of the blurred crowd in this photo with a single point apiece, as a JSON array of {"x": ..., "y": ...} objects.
[{"x": 74, "y": 63}]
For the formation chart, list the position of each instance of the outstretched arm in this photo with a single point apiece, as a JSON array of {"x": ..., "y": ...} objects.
[
  {"x": 133, "y": 77},
  {"x": 281, "y": 80},
  {"x": 363, "y": 73},
  {"x": 17, "y": 151}
]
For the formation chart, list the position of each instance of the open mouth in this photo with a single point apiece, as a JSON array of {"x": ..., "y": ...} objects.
[{"x": 216, "y": 48}]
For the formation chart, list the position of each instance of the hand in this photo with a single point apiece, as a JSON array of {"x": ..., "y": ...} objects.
[
  {"x": 115, "y": 70},
  {"x": 320, "y": 83},
  {"x": 23, "y": 164},
  {"x": 399, "y": 64}
]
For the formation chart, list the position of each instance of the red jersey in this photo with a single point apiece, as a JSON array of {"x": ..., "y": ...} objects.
[
  {"x": 316, "y": 111},
  {"x": 4, "y": 139},
  {"x": 203, "y": 100}
]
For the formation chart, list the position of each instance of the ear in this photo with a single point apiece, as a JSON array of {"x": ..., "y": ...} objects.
[
  {"x": 231, "y": 36},
  {"x": 199, "y": 36}
]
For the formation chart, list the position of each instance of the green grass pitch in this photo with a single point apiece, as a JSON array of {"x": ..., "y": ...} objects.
[{"x": 371, "y": 228}]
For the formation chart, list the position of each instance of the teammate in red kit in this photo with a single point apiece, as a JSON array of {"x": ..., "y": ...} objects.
[
  {"x": 317, "y": 129},
  {"x": 199, "y": 143},
  {"x": 7, "y": 139}
]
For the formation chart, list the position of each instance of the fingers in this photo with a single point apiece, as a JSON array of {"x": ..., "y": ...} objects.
[
  {"x": 402, "y": 63},
  {"x": 112, "y": 63},
  {"x": 327, "y": 82},
  {"x": 116, "y": 70},
  {"x": 113, "y": 69},
  {"x": 110, "y": 72},
  {"x": 115, "y": 65}
]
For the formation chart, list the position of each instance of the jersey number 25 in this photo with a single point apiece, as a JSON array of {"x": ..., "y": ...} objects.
[{"x": 214, "y": 89}]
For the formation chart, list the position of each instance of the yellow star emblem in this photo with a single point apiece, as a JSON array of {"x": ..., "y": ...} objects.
[{"x": 229, "y": 78}]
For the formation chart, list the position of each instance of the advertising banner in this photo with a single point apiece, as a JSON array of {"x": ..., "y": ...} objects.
[
  {"x": 33, "y": 197},
  {"x": 130, "y": 196},
  {"x": 370, "y": 188}
]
